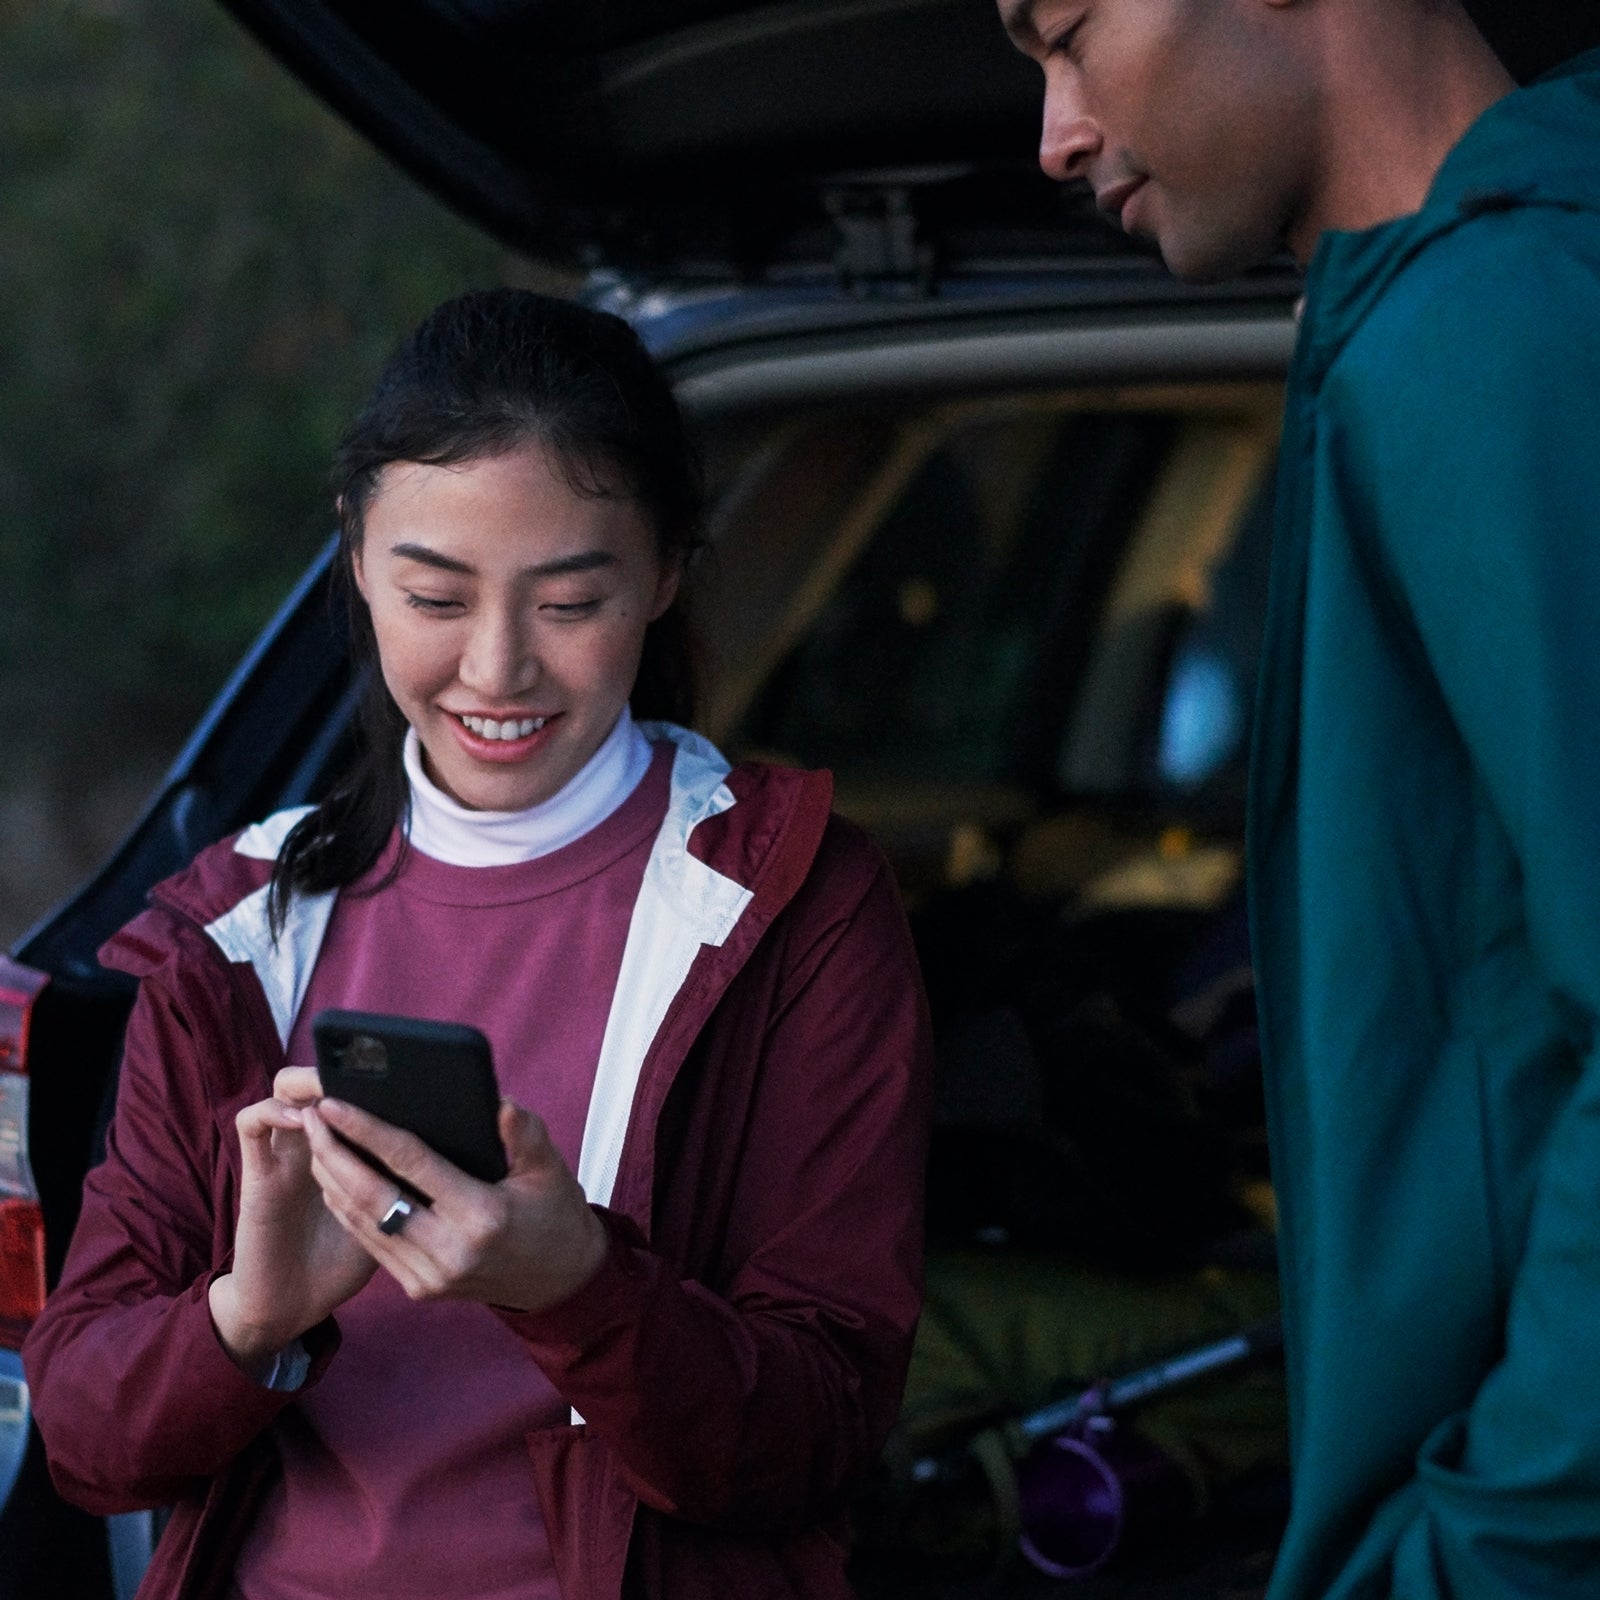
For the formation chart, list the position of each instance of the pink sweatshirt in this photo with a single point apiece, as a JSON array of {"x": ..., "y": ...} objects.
[{"x": 420, "y": 1423}]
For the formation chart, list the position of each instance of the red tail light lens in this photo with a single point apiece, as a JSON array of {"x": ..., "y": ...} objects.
[
  {"x": 21, "y": 1220},
  {"x": 21, "y": 1268}
]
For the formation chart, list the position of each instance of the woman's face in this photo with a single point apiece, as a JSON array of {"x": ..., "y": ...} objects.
[{"x": 509, "y": 612}]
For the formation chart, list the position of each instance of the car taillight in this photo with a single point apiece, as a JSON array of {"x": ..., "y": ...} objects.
[{"x": 21, "y": 1219}]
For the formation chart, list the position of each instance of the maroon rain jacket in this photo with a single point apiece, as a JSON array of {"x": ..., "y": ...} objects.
[{"x": 740, "y": 1356}]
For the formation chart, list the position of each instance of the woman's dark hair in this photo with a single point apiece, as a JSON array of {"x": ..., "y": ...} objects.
[{"x": 483, "y": 375}]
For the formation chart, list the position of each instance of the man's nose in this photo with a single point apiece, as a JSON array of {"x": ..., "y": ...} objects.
[
  {"x": 501, "y": 659},
  {"x": 1070, "y": 136}
]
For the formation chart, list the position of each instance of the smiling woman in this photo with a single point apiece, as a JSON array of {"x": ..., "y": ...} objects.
[
  {"x": 510, "y": 631},
  {"x": 667, "y": 1342},
  {"x": 517, "y": 502}
]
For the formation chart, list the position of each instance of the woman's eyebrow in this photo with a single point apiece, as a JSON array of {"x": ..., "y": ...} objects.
[
  {"x": 581, "y": 561},
  {"x": 429, "y": 558}
]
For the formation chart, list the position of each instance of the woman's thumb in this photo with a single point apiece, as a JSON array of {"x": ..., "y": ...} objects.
[{"x": 524, "y": 1135}]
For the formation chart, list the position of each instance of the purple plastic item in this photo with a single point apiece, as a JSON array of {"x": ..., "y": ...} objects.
[{"x": 1082, "y": 1498}]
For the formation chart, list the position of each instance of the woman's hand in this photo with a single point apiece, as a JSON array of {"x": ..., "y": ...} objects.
[
  {"x": 292, "y": 1262},
  {"x": 525, "y": 1243}
]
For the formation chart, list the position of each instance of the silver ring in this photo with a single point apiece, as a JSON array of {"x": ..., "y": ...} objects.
[{"x": 396, "y": 1217}]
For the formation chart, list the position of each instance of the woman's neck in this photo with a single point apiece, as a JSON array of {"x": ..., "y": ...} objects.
[{"x": 450, "y": 832}]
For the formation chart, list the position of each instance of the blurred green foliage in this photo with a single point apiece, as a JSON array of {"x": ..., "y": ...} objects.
[{"x": 200, "y": 271}]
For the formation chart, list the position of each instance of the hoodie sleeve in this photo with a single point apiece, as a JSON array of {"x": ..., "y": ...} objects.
[
  {"x": 133, "y": 1393},
  {"x": 751, "y": 1404},
  {"x": 1478, "y": 451}
]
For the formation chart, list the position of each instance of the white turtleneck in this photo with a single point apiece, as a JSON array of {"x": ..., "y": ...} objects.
[{"x": 453, "y": 833}]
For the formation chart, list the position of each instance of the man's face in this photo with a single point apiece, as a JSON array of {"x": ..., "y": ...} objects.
[{"x": 1193, "y": 120}]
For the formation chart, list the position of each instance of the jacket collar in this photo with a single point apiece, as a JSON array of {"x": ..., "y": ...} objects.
[{"x": 727, "y": 852}]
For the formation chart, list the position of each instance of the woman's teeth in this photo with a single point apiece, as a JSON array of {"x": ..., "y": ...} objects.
[{"x": 489, "y": 728}]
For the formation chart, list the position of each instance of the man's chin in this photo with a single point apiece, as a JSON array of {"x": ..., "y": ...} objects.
[{"x": 1213, "y": 259}]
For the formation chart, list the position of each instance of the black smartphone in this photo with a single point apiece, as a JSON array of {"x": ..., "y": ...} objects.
[{"x": 434, "y": 1079}]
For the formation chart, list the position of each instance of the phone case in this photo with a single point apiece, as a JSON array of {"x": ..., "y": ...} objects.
[{"x": 434, "y": 1079}]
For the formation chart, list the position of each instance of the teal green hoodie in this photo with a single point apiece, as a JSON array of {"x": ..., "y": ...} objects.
[{"x": 1425, "y": 856}]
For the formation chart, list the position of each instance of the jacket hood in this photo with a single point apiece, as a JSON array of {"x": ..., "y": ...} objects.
[
  {"x": 1563, "y": 111},
  {"x": 1491, "y": 169}
]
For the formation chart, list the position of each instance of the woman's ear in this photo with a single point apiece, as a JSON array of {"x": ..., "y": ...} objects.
[
  {"x": 667, "y": 585},
  {"x": 357, "y": 570}
]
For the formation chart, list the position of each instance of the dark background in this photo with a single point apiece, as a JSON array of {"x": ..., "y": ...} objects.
[{"x": 200, "y": 271}]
